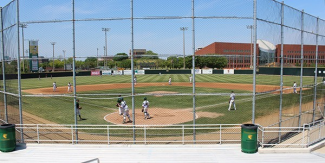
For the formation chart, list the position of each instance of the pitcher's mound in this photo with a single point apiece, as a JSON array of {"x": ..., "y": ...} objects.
[{"x": 159, "y": 116}]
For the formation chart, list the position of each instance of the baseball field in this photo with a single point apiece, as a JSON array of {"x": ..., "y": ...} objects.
[{"x": 169, "y": 104}]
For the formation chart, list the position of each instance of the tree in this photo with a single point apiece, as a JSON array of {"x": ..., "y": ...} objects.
[
  {"x": 206, "y": 61},
  {"x": 120, "y": 57},
  {"x": 91, "y": 62},
  {"x": 124, "y": 64},
  {"x": 152, "y": 55},
  {"x": 110, "y": 64}
]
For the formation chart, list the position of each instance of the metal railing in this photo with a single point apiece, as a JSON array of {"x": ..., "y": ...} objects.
[
  {"x": 275, "y": 137},
  {"x": 120, "y": 134},
  {"x": 292, "y": 137}
]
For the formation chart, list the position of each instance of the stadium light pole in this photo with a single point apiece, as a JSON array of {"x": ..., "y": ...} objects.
[
  {"x": 183, "y": 29},
  {"x": 53, "y": 43},
  {"x": 64, "y": 59},
  {"x": 105, "y": 30},
  {"x": 97, "y": 57},
  {"x": 251, "y": 28},
  {"x": 22, "y": 34}
]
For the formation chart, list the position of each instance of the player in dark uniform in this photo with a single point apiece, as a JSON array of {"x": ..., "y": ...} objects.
[{"x": 78, "y": 108}]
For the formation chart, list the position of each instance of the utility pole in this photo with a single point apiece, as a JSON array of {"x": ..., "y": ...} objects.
[
  {"x": 53, "y": 43},
  {"x": 97, "y": 57},
  {"x": 183, "y": 29},
  {"x": 251, "y": 28},
  {"x": 105, "y": 30},
  {"x": 22, "y": 33},
  {"x": 64, "y": 58}
]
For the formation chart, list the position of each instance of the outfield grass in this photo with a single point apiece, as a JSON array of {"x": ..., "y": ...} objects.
[
  {"x": 97, "y": 104},
  {"x": 218, "y": 78}
]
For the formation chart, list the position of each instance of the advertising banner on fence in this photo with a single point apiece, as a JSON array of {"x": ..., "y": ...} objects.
[
  {"x": 141, "y": 72},
  {"x": 95, "y": 72},
  {"x": 228, "y": 71},
  {"x": 127, "y": 72},
  {"x": 106, "y": 72},
  {"x": 33, "y": 55},
  {"x": 136, "y": 72},
  {"x": 118, "y": 72},
  {"x": 206, "y": 71},
  {"x": 197, "y": 71}
]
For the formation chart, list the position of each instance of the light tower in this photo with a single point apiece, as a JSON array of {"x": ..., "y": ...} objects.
[
  {"x": 183, "y": 29},
  {"x": 22, "y": 34},
  {"x": 251, "y": 28},
  {"x": 105, "y": 30},
  {"x": 53, "y": 43}
]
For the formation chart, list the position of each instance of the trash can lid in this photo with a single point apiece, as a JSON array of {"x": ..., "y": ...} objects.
[
  {"x": 7, "y": 125},
  {"x": 249, "y": 126}
]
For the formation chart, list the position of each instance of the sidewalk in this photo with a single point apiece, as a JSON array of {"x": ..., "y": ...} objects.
[{"x": 148, "y": 153}]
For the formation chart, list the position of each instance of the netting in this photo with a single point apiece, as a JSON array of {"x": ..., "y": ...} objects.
[{"x": 145, "y": 49}]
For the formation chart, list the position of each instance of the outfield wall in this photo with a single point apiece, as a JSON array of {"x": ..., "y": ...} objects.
[{"x": 262, "y": 70}]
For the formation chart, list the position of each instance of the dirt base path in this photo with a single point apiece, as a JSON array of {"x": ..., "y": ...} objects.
[{"x": 233, "y": 86}]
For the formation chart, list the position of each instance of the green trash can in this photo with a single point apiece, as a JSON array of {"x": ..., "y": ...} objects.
[
  {"x": 248, "y": 138},
  {"x": 7, "y": 137}
]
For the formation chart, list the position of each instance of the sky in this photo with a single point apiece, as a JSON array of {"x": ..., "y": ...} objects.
[{"x": 161, "y": 36}]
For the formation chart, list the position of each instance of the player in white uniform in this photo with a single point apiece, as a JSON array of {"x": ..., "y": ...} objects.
[
  {"x": 145, "y": 106},
  {"x": 190, "y": 79},
  {"x": 294, "y": 87},
  {"x": 69, "y": 87},
  {"x": 135, "y": 80},
  {"x": 54, "y": 86},
  {"x": 125, "y": 111},
  {"x": 170, "y": 81},
  {"x": 232, "y": 100}
]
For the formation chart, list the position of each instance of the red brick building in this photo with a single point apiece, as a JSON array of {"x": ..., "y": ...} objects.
[
  {"x": 239, "y": 55},
  {"x": 292, "y": 53}
]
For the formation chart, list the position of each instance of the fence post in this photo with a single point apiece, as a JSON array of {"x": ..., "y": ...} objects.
[
  {"x": 3, "y": 70},
  {"x": 108, "y": 135},
  {"x": 37, "y": 133},
  {"x": 301, "y": 64},
  {"x": 281, "y": 73},
  {"x": 220, "y": 134},
  {"x": 72, "y": 139},
  {"x": 319, "y": 131},
  {"x": 183, "y": 134},
  {"x": 193, "y": 65},
  {"x": 263, "y": 135},
  {"x": 145, "y": 134},
  {"x": 315, "y": 79},
  {"x": 308, "y": 136}
]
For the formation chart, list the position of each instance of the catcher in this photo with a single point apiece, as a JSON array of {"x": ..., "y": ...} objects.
[
  {"x": 145, "y": 106},
  {"x": 78, "y": 108}
]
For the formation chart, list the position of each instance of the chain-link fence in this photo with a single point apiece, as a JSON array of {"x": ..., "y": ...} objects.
[{"x": 186, "y": 58}]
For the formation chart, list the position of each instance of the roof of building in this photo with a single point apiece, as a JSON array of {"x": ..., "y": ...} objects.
[{"x": 266, "y": 46}]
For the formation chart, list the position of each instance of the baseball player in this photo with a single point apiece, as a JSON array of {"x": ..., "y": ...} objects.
[
  {"x": 170, "y": 81},
  {"x": 125, "y": 111},
  {"x": 120, "y": 109},
  {"x": 69, "y": 87},
  {"x": 78, "y": 108},
  {"x": 294, "y": 87},
  {"x": 190, "y": 78},
  {"x": 145, "y": 106},
  {"x": 54, "y": 86},
  {"x": 135, "y": 80},
  {"x": 232, "y": 100}
]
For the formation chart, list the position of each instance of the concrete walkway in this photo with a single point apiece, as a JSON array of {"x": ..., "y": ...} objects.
[{"x": 150, "y": 153}]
